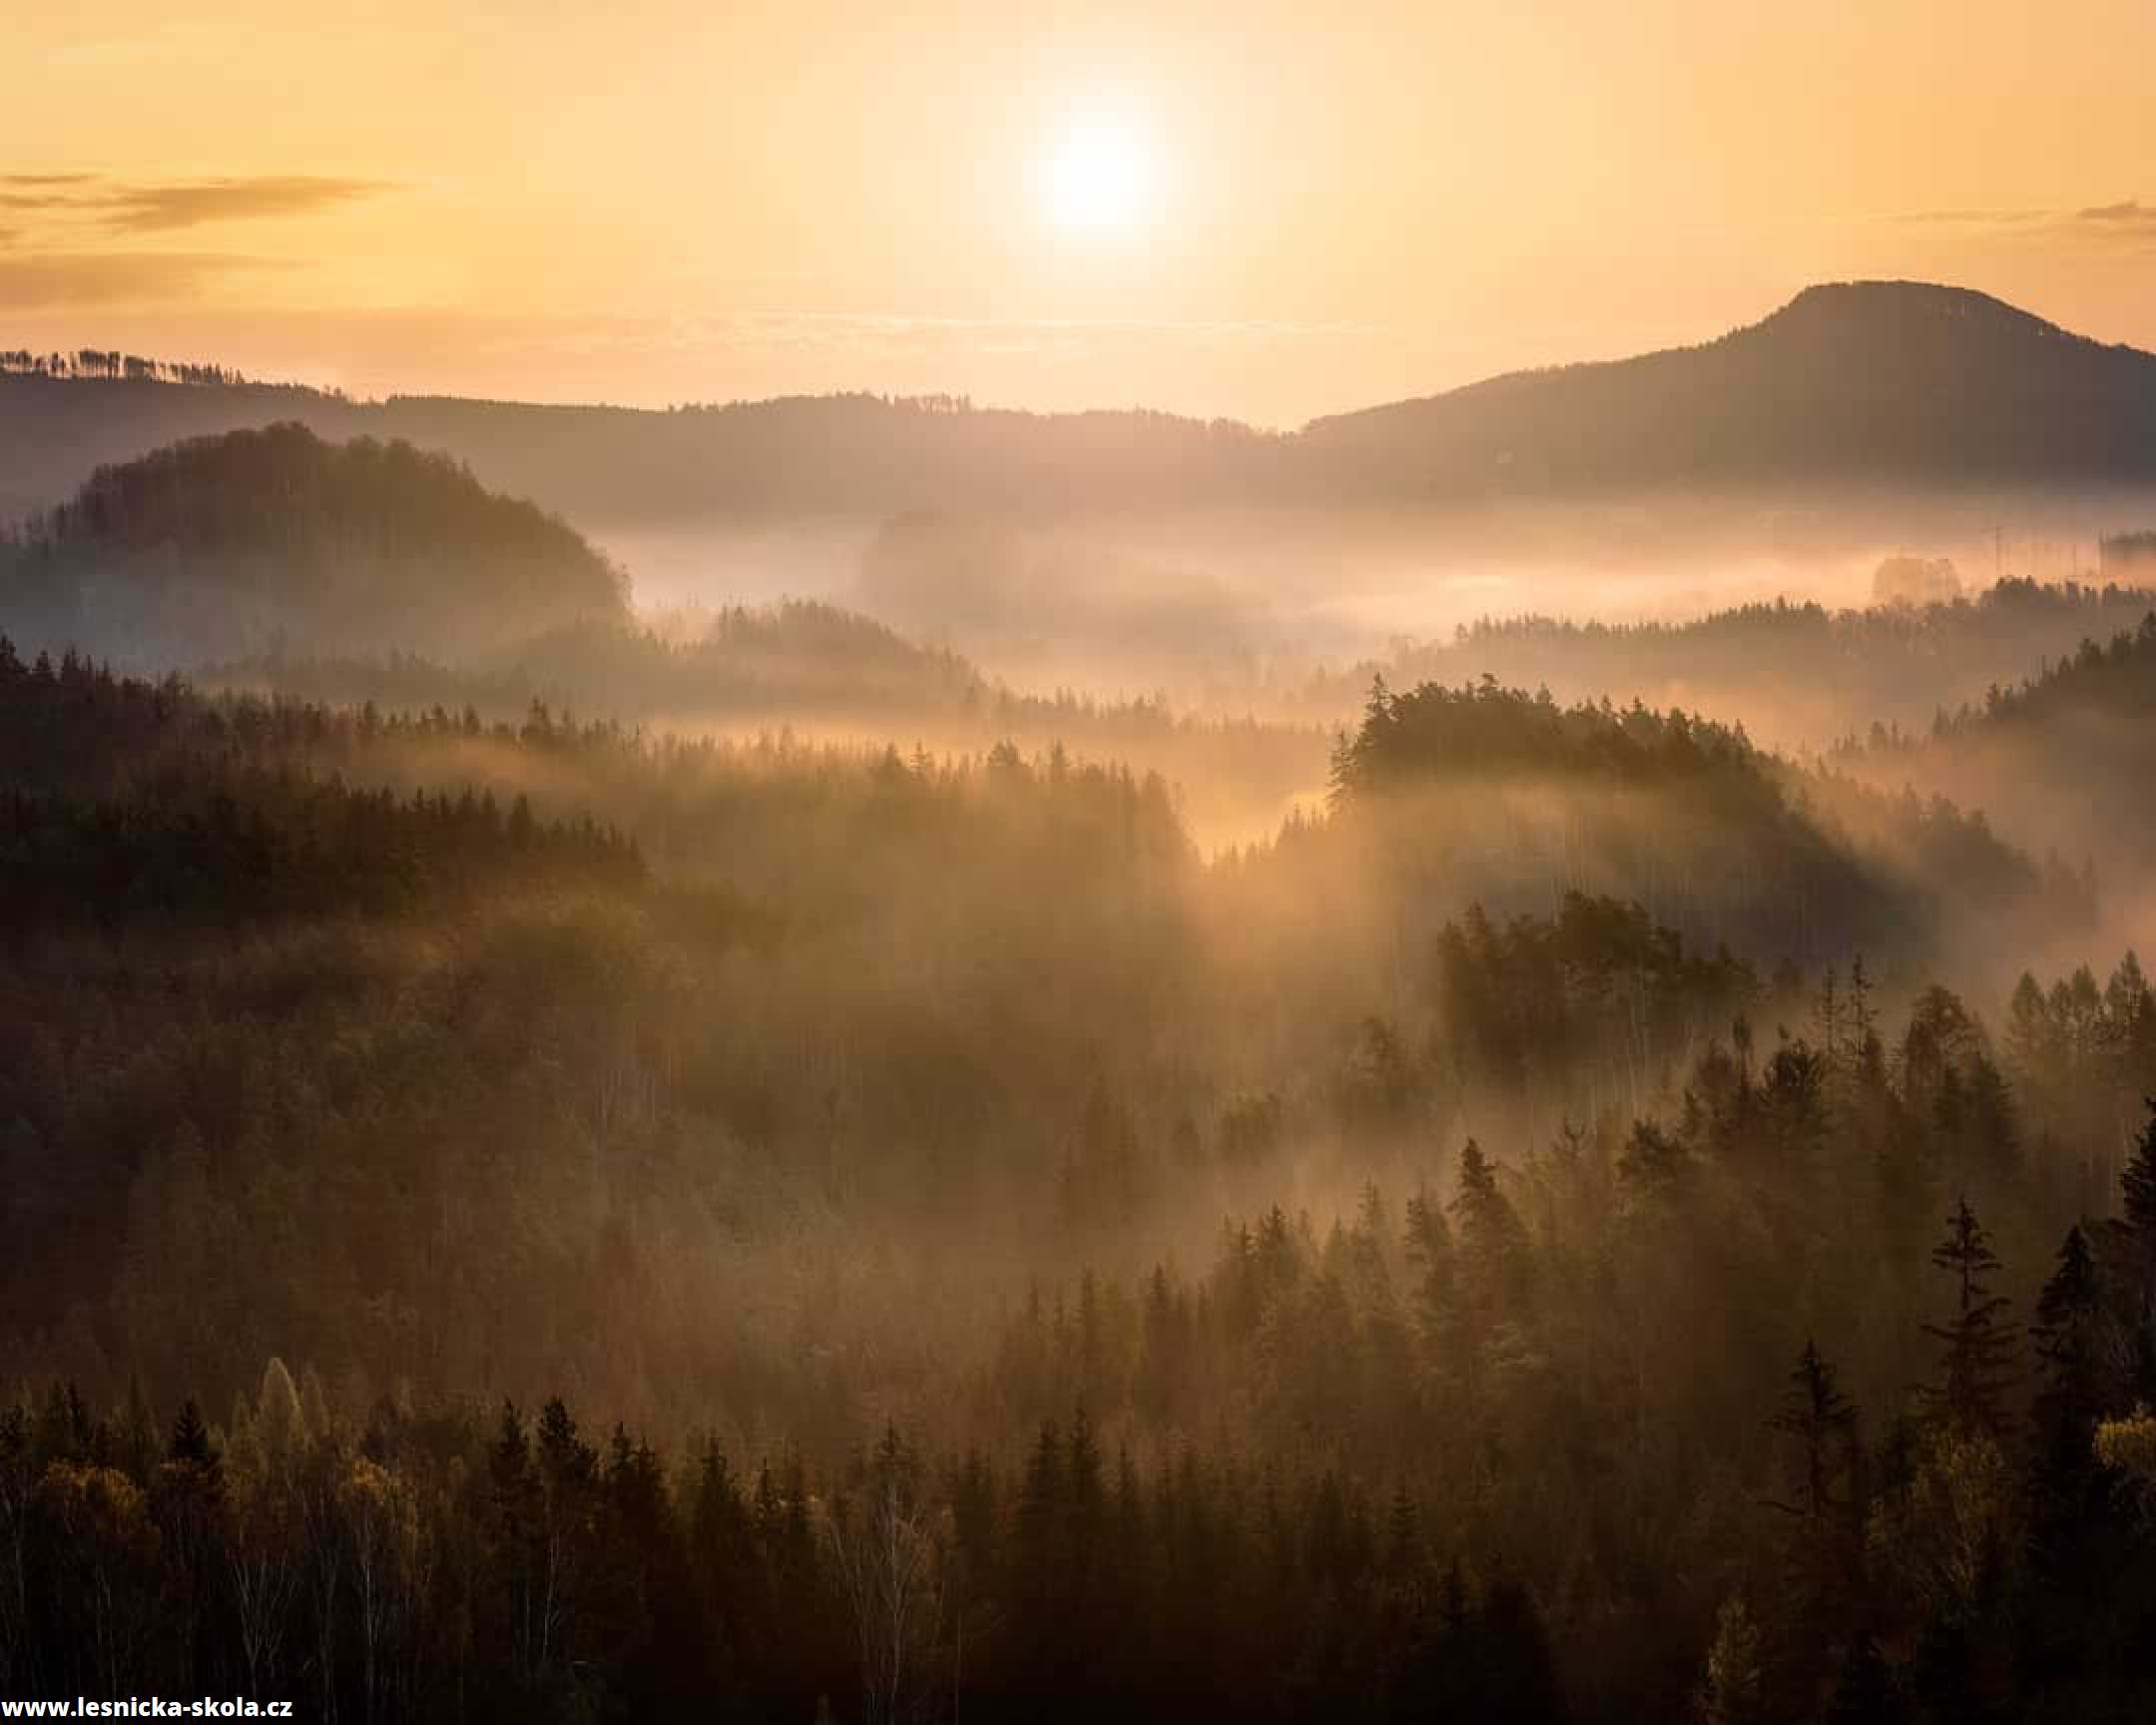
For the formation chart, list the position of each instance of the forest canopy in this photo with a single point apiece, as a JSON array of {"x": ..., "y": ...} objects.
[{"x": 478, "y": 1176}]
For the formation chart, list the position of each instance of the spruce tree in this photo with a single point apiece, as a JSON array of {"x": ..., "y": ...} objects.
[
  {"x": 2068, "y": 1339},
  {"x": 191, "y": 1440},
  {"x": 1821, "y": 1420},
  {"x": 1494, "y": 1240},
  {"x": 2136, "y": 1229},
  {"x": 1975, "y": 1347},
  {"x": 2137, "y": 1191}
]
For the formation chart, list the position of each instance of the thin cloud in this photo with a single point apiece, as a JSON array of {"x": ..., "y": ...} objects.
[
  {"x": 2133, "y": 215},
  {"x": 2130, "y": 222},
  {"x": 68, "y": 239},
  {"x": 163, "y": 206},
  {"x": 1972, "y": 218},
  {"x": 187, "y": 204},
  {"x": 41, "y": 281}
]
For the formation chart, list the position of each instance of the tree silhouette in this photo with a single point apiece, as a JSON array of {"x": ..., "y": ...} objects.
[
  {"x": 1822, "y": 1422},
  {"x": 1975, "y": 1347}
]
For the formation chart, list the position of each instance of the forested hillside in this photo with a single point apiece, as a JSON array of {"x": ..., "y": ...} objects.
[
  {"x": 1485, "y": 792},
  {"x": 2066, "y": 754},
  {"x": 223, "y": 546},
  {"x": 1604, "y": 1321},
  {"x": 1795, "y": 671},
  {"x": 278, "y": 564}
]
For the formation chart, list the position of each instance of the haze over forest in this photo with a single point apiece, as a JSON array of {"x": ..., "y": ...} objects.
[{"x": 864, "y": 1056}]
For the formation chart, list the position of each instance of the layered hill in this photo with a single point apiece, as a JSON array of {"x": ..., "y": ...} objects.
[
  {"x": 254, "y": 540},
  {"x": 1882, "y": 383},
  {"x": 1798, "y": 672},
  {"x": 2063, "y": 760}
]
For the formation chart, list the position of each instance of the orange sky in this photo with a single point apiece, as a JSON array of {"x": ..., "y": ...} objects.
[{"x": 659, "y": 201}]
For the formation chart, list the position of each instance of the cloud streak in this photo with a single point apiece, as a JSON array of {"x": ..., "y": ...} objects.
[
  {"x": 29, "y": 200},
  {"x": 158, "y": 208},
  {"x": 164, "y": 206},
  {"x": 2133, "y": 215},
  {"x": 93, "y": 240},
  {"x": 1972, "y": 218},
  {"x": 2130, "y": 222}
]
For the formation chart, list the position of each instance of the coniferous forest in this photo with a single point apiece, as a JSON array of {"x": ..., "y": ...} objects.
[
  {"x": 1072, "y": 1121},
  {"x": 537, "y": 1217}
]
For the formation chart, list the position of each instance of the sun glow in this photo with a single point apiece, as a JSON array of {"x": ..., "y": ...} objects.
[{"x": 1101, "y": 175}]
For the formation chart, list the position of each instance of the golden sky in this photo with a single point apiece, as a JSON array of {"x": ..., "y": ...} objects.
[{"x": 1319, "y": 206}]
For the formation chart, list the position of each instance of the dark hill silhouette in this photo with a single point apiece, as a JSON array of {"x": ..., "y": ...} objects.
[
  {"x": 1879, "y": 382},
  {"x": 1869, "y": 381},
  {"x": 228, "y": 544}
]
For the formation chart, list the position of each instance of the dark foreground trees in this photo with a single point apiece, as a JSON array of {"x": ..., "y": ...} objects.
[{"x": 430, "y": 1568}]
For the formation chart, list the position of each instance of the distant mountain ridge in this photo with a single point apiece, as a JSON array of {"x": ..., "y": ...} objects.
[
  {"x": 1870, "y": 383},
  {"x": 1888, "y": 380}
]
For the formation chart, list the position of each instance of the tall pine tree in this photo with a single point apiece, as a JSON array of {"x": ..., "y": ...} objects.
[
  {"x": 1975, "y": 1347},
  {"x": 1822, "y": 1422}
]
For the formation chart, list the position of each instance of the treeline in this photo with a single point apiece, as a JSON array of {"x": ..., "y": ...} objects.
[
  {"x": 819, "y": 670},
  {"x": 2063, "y": 754},
  {"x": 1798, "y": 671},
  {"x": 2117, "y": 678},
  {"x": 111, "y": 362},
  {"x": 435, "y": 1565},
  {"x": 1485, "y": 729},
  {"x": 128, "y": 803}
]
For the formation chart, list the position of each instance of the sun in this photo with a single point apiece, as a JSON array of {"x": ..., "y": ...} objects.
[{"x": 1101, "y": 176}]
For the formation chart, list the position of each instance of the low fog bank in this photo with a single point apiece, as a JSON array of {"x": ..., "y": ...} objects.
[{"x": 1274, "y": 612}]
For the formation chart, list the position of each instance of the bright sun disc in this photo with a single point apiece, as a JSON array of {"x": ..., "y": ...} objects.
[{"x": 1099, "y": 177}]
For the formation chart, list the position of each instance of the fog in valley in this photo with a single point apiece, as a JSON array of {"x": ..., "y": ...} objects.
[
  {"x": 1529, "y": 1105},
  {"x": 1249, "y": 607}
]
